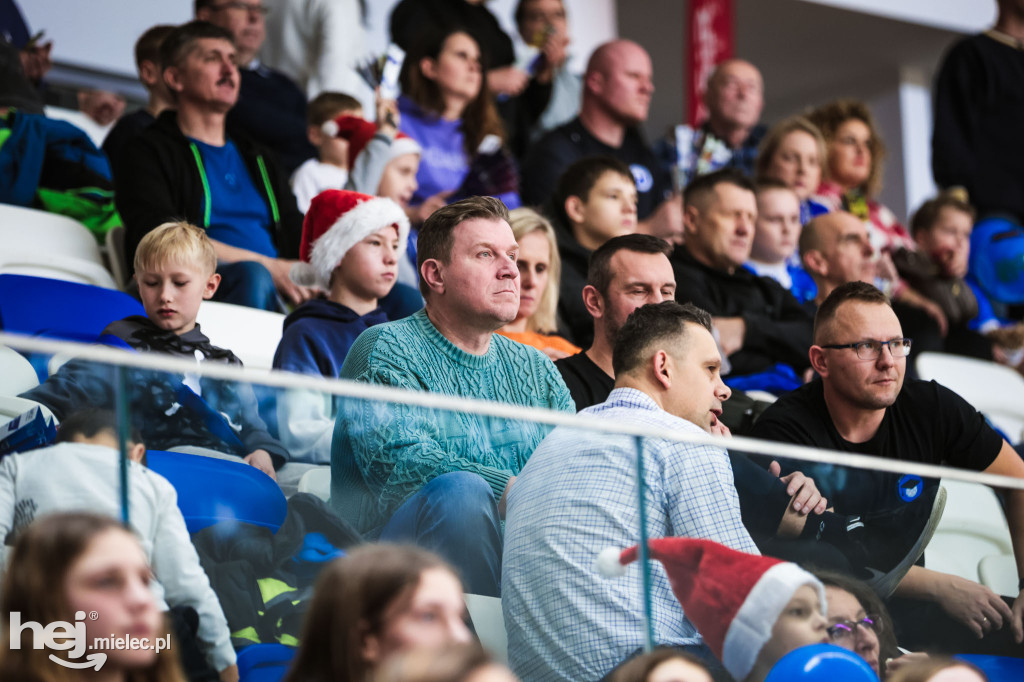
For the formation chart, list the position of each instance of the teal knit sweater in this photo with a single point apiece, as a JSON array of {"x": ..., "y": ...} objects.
[{"x": 383, "y": 453}]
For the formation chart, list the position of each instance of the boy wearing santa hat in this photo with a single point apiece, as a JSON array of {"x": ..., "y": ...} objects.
[
  {"x": 351, "y": 244},
  {"x": 384, "y": 162},
  {"x": 329, "y": 168},
  {"x": 751, "y": 610}
]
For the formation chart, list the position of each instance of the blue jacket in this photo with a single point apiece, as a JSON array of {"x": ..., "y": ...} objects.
[
  {"x": 34, "y": 139},
  {"x": 318, "y": 334}
]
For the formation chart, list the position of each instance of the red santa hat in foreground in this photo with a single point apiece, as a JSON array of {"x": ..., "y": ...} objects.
[
  {"x": 733, "y": 598},
  {"x": 358, "y": 131},
  {"x": 336, "y": 221}
]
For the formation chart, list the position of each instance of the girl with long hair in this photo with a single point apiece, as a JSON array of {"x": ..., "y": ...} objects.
[
  {"x": 447, "y": 109},
  {"x": 83, "y": 568},
  {"x": 377, "y": 600},
  {"x": 539, "y": 272}
]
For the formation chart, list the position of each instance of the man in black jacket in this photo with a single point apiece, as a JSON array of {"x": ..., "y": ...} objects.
[
  {"x": 759, "y": 325},
  {"x": 190, "y": 165}
]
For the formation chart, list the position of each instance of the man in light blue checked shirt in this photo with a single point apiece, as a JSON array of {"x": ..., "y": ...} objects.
[{"x": 577, "y": 495}]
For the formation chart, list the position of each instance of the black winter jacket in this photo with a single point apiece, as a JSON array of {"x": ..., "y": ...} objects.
[{"x": 159, "y": 179}]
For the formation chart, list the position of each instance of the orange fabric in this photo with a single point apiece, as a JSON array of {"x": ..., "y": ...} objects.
[{"x": 542, "y": 341}]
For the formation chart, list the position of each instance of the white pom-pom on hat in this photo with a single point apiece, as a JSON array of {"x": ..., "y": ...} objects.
[
  {"x": 733, "y": 598},
  {"x": 329, "y": 128},
  {"x": 609, "y": 563}
]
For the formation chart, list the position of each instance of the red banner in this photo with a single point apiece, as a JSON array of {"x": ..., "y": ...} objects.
[{"x": 709, "y": 23}]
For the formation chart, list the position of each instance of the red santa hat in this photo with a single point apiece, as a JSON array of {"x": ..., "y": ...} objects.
[
  {"x": 733, "y": 598},
  {"x": 336, "y": 221},
  {"x": 358, "y": 131}
]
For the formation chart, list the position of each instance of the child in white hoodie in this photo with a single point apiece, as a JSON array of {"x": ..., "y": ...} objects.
[{"x": 82, "y": 472}]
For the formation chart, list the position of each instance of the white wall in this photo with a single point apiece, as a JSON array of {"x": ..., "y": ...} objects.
[
  {"x": 916, "y": 106},
  {"x": 100, "y": 34},
  {"x": 965, "y": 16},
  {"x": 889, "y": 119}
]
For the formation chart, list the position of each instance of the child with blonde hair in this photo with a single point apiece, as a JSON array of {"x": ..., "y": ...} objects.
[{"x": 175, "y": 269}]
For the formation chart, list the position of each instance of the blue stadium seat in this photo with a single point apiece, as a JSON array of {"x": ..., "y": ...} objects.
[
  {"x": 211, "y": 490},
  {"x": 264, "y": 662},
  {"x": 37, "y": 306}
]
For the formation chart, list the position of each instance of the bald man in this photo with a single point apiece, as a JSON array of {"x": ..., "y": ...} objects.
[
  {"x": 835, "y": 248},
  {"x": 729, "y": 138},
  {"x": 617, "y": 91}
]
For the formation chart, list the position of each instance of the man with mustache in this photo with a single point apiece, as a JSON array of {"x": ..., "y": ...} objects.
[
  {"x": 761, "y": 328},
  {"x": 271, "y": 108},
  {"x": 440, "y": 478},
  {"x": 862, "y": 404},
  {"x": 190, "y": 164}
]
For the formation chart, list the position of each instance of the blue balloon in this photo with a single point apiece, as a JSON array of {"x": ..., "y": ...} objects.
[
  {"x": 822, "y": 662},
  {"x": 997, "y": 259},
  {"x": 996, "y": 667}
]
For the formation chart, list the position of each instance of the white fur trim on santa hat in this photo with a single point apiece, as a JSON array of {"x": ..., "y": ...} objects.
[
  {"x": 403, "y": 145},
  {"x": 751, "y": 628},
  {"x": 351, "y": 228}
]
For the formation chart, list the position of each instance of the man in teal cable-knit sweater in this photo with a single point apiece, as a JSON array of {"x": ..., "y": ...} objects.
[{"x": 436, "y": 477}]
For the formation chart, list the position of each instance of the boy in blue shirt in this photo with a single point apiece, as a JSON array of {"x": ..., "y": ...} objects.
[
  {"x": 776, "y": 236},
  {"x": 351, "y": 245}
]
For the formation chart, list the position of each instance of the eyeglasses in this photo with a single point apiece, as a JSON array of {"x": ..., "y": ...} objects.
[
  {"x": 242, "y": 7},
  {"x": 870, "y": 350},
  {"x": 844, "y": 630}
]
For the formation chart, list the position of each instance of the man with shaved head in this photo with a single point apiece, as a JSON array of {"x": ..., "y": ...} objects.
[
  {"x": 835, "y": 248},
  {"x": 730, "y": 136},
  {"x": 617, "y": 91}
]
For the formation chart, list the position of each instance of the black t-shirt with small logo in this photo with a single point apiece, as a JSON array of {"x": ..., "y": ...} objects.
[{"x": 928, "y": 423}]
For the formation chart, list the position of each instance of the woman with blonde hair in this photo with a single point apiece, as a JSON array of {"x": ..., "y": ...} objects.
[
  {"x": 793, "y": 152},
  {"x": 64, "y": 566},
  {"x": 540, "y": 270}
]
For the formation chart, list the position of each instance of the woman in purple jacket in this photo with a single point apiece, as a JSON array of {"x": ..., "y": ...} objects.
[{"x": 447, "y": 108}]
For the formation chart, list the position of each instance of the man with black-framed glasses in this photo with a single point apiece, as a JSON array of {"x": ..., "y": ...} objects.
[
  {"x": 863, "y": 404},
  {"x": 271, "y": 108}
]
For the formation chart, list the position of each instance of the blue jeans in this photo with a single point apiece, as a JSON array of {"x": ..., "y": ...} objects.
[
  {"x": 456, "y": 516},
  {"x": 247, "y": 283}
]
